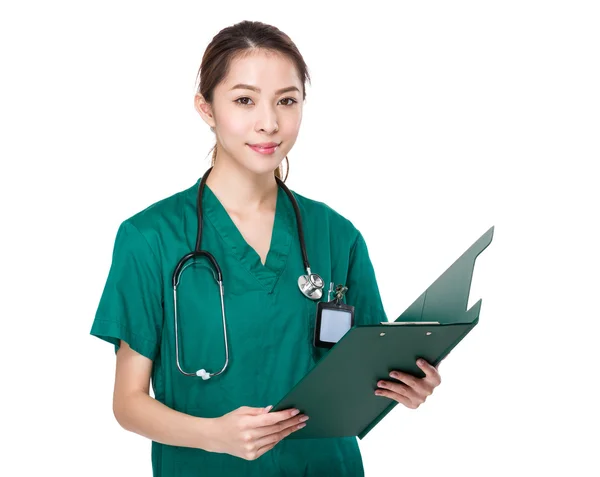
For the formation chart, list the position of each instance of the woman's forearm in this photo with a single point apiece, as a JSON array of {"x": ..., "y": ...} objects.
[{"x": 140, "y": 413}]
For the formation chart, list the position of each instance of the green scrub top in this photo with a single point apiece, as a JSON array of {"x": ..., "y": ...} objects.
[{"x": 270, "y": 323}]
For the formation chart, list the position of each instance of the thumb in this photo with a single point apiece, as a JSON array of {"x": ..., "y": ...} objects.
[{"x": 253, "y": 411}]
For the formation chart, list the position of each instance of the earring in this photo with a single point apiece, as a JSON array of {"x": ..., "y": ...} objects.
[{"x": 287, "y": 169}]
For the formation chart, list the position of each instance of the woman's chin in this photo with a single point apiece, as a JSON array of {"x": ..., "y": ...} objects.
[{"x": 262, "y": 167}]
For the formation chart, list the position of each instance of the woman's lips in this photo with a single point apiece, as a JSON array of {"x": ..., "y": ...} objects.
[{"x": 263, "y": 150}]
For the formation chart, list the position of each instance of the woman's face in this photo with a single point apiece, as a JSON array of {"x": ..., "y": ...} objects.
[{"x": 260, "y": 101}]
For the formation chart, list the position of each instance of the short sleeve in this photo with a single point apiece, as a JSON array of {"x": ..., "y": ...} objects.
[
  {"x": 363, "y": 291},
  {"x": 130, "y": 307}
]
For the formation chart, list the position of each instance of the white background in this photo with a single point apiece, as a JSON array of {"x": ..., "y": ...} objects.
[{"x": 436, "y": 119}]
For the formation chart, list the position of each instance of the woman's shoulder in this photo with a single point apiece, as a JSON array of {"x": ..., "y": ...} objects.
[
  {"x": 168, "y": 208},
  {"x": 322, "y": 213}
]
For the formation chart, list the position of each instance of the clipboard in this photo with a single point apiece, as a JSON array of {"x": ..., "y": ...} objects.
[{"x": 338, "y": 394}]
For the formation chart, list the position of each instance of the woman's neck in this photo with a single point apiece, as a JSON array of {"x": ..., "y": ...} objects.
[{"x": 240, "y": 191}]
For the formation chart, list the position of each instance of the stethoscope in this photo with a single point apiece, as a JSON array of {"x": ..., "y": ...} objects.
[{"x": 311, "y": 284}]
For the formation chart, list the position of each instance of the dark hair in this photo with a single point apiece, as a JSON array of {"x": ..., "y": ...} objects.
[{"x": 236, "y": 41}]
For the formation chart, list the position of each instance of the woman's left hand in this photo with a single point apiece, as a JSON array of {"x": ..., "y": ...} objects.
[{"x": 412, "y": 391}]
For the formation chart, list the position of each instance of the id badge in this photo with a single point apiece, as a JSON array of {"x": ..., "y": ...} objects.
[{"x": 334, "y": 319}]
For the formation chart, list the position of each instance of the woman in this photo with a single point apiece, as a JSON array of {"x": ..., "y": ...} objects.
[{"x": 251, "y": 93}]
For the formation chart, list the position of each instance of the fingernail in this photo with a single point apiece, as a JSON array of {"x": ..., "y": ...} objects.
[
  {"x": 421, "y": 362},
  {"x": 268, "y": 408},
  {"x": 304, "y": 418},
  {"x": 300, "y": 426},
  {"x": 394, "y": 374},
  {"x": 295, "y": 412},
  {"x": 378, "y": 393}
]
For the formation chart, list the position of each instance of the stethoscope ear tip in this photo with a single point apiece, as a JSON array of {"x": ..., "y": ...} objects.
[{"x": 203, "y": 374}]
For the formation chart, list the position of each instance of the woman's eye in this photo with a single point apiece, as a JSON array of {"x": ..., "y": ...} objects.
[
  {"x": 244, "y": 101},
  {"x": 244, "y": 104}
]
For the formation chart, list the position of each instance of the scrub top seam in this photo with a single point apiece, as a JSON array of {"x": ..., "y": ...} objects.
[
  {"x": 354, "y": 244},
  {"x": 242, "y": 264},
  {"x": 288, "y": 246},
  {"x": 128, "y": 328},
  {"x": 278, "y": 275},
  {"x": 157, "y": 260},
  {"x": 275, "y": 274}
]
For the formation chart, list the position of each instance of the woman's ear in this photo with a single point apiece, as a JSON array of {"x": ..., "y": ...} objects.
[{"x": 204, "y": 109}]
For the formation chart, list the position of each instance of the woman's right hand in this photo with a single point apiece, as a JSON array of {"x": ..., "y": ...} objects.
[{"x": 249, "y": 432}]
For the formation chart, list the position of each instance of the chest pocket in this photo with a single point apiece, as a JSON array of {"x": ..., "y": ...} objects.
[
  {"x": 311, "y": 317},
  {"x": 311, "y": 312}
]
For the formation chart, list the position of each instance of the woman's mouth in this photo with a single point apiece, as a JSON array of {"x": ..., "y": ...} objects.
[{"x": 264, "y": 150}]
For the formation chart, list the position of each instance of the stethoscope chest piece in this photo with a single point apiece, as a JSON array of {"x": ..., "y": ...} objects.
[{"x": 311, "y": 285}]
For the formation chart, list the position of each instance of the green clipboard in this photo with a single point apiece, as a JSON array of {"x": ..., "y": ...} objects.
[{"x": 338, "y": 394}]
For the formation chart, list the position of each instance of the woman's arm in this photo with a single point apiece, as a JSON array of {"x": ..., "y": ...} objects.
[
  {"x": 246, "y": 432},
  {"x": 136, "y": 411}
]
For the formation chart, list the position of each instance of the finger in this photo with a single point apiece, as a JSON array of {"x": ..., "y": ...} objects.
[
  {"x": 254, "y": 421},
  {"x": 276, "y": 436},
  {"x": 280, "y": 427},
  {"x": 269, "y": 441},
  {"x": 414, "y": 394},
  {"x": 283, "y": 425},
  {"x": 420, "y": 386},
  {"x": 397, "y": 397},
  {"x": 431, "y": 373},
  {"x": 249, "y": 411},
  {"x": 406, "y": 378},
  {"x": 273, "y": 418}
]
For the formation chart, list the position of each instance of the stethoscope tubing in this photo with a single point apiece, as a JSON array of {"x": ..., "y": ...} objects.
[{"x": 198, "y": 252}]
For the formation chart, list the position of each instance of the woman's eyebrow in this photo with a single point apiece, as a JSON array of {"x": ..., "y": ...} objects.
[{"x": 254, "y": 88}]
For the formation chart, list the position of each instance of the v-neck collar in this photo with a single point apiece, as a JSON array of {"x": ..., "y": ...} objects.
[{"x": 281, "y": 237}]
